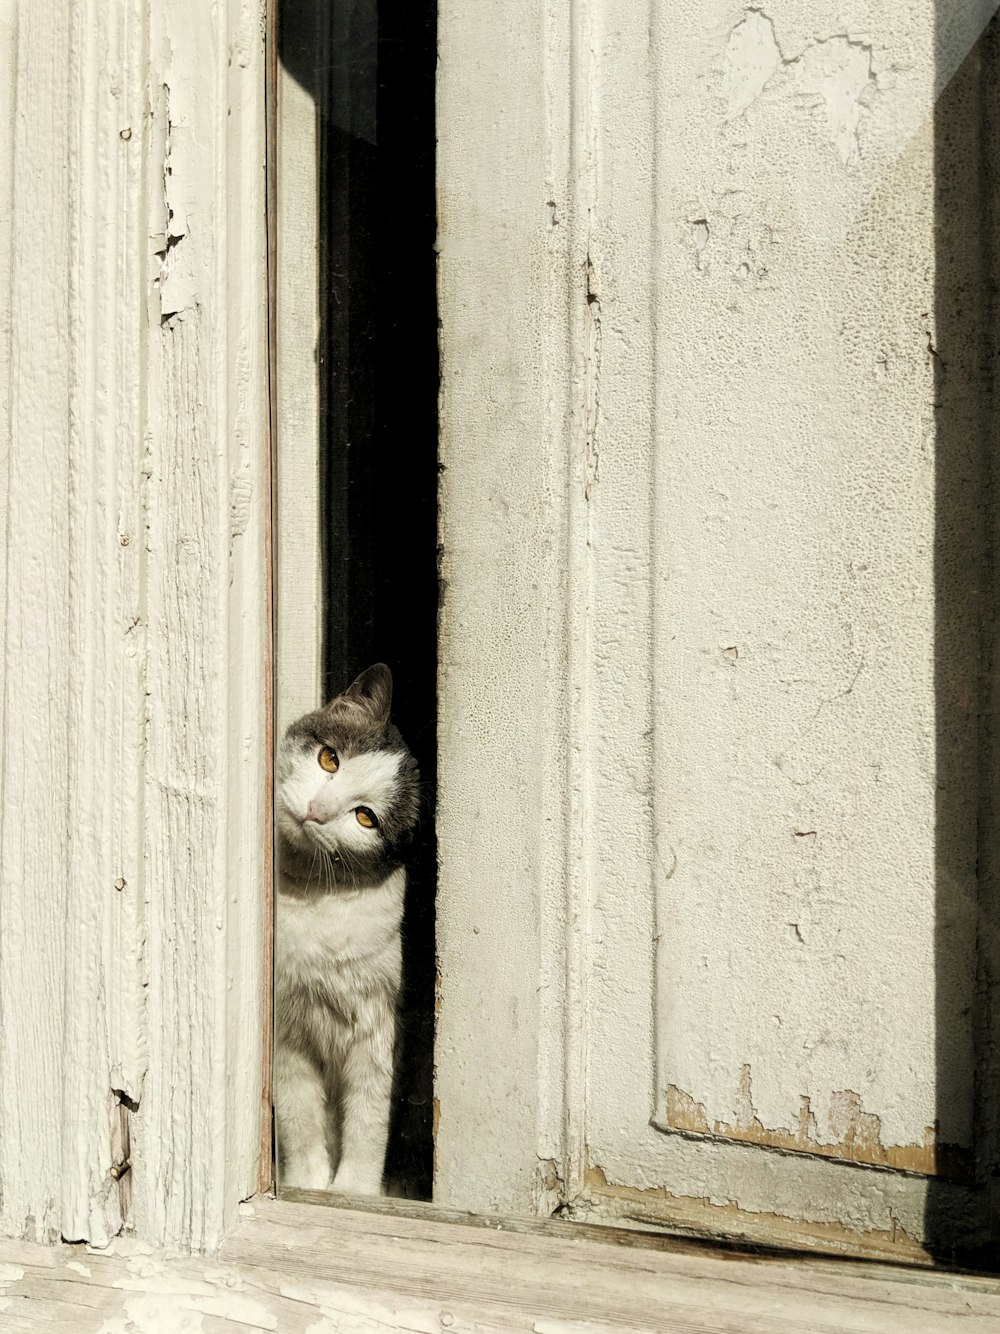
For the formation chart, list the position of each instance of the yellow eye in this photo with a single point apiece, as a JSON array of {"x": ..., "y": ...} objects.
[
  {"x": 366, "y": 818},
  {"x": 328, "y": 760}
]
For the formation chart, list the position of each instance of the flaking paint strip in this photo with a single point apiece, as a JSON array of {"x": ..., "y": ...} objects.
[
  {"x": 836, "y": 72},
  {"x": 657, "y": 1204},
  {"x": 854, "y": 1135}
]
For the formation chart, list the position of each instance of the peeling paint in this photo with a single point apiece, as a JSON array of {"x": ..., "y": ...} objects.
[
  {"x": 175, "y": 279},
  {"x": 240, "y": 500},
  {"x": 551, "y": 1186},
  {"x": 726, "y": 1218},
  {"x": 700, "y": 233},
  {"x": 852, "y": 1135},
  {"x": 834, "y": 75}
]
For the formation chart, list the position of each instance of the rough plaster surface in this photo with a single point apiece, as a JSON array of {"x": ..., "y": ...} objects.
[
  {"x": 132, "y": 824},
  {"x": 793, "y": 749},
  {"x": 794, "y": 634},
  {"x": 689, "y": 700}
]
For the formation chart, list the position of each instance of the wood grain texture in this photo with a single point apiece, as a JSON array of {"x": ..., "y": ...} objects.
[
  {"x": 34, "y": 836},
  {"x": 102, "y": 1039},
  {"x": 206, "y": 619},
  {"x": 297, "y": 1268},
  {"x": 132, "y": 887}
]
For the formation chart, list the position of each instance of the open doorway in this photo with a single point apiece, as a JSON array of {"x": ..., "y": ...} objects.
[{"x": 356, "y": 395}]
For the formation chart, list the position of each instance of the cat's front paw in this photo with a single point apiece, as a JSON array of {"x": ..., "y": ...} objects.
[
  {"x": 307, "y": 1174},
  {"x": 357, "y": 1180}
]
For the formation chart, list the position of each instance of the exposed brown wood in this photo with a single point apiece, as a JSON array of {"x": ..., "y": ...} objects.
[
  {"x": 656, "y": 1207},
  {"x": 852, "y": 1135}
]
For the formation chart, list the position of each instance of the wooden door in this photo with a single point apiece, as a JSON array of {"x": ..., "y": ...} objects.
[{"x": 717, "y": 810}]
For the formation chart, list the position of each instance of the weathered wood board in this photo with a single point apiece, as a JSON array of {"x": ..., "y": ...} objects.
[{"x": 295, "y": 1268}]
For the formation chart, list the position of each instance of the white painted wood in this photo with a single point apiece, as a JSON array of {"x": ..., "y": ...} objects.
[
  {"x": 690, "y": 772},
  {"x": 299, "y": 601},
  {"x": 131, "y": 888},
  {"x": 33, "y": 898},
  {"x": 8, "y": 66},
  {"x": 204, "y": 790},
  {"x": 295, "y": 1268},
  {"x": 505, "y": 409},
  {"x": 783, "y": 692}
]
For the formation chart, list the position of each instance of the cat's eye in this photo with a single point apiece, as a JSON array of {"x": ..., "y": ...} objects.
[
  {"x": 328, "y": 760},
  {"x": 366, "y": 817}
]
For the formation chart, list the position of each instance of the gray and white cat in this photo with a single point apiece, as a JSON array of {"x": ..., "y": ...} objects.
[{"x": 347, "y": 802}]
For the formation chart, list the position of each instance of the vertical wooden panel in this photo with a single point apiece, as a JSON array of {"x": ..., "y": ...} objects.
[
  {"x": 711, "y": 746},
  {"x": 8, "y": 59},
  {"x": 133, "y": 821},
  {"x": 205, "y": 607},
  {"x": 101, "y": 1061},
  {"x": 299, "y": 573},
  {"x": 505, "y": 283},
  {"x": 795, "y": 696},
  {"x": 34, "y": 834}
]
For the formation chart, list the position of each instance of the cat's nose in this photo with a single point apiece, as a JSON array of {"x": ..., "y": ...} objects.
[{"x": 314, "y": 813}]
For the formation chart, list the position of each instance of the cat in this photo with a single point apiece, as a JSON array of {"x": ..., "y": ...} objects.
[{"x": 348, "y": 797}]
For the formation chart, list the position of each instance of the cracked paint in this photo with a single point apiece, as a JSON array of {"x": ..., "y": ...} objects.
[
  {"x": 724, "y": 235},
  {"x": 175, "y": 279},
  {"x": 592, "y": 372},
  {"x": 808, "y": 756},
  {"x": 834, "y": 76},
  {"x": 849, "y": 1133}
]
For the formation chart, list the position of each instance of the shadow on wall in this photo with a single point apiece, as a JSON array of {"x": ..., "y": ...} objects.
[
  {"x": 964, "y": 348},
  {"x": 369, "y": 66}
]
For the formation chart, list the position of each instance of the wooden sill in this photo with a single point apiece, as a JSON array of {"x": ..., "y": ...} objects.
[{"x": 293, "y": 1267}]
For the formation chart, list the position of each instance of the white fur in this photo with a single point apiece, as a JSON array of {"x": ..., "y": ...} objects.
[
  {"x": 368, "y": 779},
  {"x": 337, "y": 977}
]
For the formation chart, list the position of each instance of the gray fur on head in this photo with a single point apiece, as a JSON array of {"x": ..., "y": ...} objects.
[{"x": 375, "y": 773}]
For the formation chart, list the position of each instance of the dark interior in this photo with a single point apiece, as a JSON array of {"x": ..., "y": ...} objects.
[
  {"x": 370, "y": 67},
  {"x": 962, "y": 1201}
]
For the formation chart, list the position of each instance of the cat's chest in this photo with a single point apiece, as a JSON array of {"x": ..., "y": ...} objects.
[{"x": 317, "y": 939}]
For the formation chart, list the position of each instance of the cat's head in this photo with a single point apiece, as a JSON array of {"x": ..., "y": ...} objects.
[{"x": 348, "y": 791}]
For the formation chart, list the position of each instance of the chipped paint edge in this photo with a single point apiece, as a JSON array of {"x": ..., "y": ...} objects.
[
  {"x": 855, "y": 1133},
  {"x": 658, "y": 1207}
]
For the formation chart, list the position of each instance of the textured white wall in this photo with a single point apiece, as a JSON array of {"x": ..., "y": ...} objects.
[
  {"x": 692, "y": 862},
  {"x": 133, "y": 819},
  {"x": 794, "y": 628}
]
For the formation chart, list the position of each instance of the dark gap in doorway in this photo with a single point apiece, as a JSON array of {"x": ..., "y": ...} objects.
[
  {"x": 370, "y": 66},
  {"x": 961, "y": 1212}
]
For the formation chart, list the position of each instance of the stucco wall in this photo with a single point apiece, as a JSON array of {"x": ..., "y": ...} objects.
[{"x": 714, "y": 562}]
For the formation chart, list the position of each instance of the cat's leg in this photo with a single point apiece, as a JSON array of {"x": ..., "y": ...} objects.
[
  {"x": 365, "y": 1098},
  {"x": 300, "y": 1110}
]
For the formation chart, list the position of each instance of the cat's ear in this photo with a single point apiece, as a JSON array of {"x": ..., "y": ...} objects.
[{"x": 372, "y": 691}]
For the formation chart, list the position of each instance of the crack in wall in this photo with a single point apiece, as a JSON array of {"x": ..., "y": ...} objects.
[
  {"x": 798, "y": 761},
  {"x": 592, "y": 372}
]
